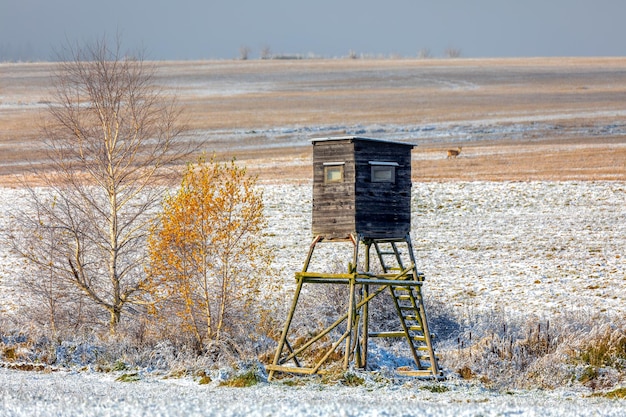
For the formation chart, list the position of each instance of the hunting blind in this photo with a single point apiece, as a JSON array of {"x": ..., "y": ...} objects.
[
  {"x": 362, "y": 196},
  {"x": 361, "y": 186}
]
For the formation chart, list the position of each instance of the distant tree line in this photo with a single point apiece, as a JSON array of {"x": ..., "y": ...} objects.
[
  {"x": 26, "y": 52},
  {"x": 265, "y": 52}
]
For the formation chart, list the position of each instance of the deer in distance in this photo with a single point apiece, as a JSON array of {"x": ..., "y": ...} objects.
[{"x": 453, "y": 153}]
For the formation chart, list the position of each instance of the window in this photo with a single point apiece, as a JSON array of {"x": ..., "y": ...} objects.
[
  {"x": 383, "y": 171},
  {"x": 333, "y": 171}
]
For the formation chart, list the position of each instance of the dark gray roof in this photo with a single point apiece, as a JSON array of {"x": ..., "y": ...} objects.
[{"x": 361, "y": 138}]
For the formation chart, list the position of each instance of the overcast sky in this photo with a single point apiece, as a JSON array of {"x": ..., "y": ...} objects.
[{"x": 202, "y": 29}]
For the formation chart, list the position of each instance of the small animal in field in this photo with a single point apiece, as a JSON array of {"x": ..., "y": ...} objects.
[{"x": 453, "y": 153}]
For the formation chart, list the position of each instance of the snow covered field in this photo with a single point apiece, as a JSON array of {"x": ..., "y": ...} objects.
[
  {"x": 514, "y": 247},
  {"x": 85, "y": 394},
  {"x": 508, "y": 248}
]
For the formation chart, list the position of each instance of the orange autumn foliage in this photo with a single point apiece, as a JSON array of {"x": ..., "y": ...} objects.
[{"x": 208, "y": 252}]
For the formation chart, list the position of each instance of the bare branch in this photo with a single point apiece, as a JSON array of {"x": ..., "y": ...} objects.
[{"x": 111, "y": 136}]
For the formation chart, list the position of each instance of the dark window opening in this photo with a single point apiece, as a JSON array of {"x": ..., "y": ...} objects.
[{"x": 383, "y": 171}]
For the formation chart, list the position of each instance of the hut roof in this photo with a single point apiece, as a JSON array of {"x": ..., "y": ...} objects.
[{"x": 338, "y": 138}]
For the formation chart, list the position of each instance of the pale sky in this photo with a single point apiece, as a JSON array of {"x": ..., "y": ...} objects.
[{"x": 217, "y": 29}]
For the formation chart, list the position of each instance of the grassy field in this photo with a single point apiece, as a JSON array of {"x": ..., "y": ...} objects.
[{"x": 516, "y": 119}]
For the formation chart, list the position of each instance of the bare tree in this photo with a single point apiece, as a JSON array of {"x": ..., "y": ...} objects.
[
  {"x": 266, "y": 52},
  {"x": 53, "y": 304},
  {"x": 244, "y": 53},
  {"x": 452, "y": 52},
  {"x": 424, "y": 53},
  {"x": 110, "y": 137}
]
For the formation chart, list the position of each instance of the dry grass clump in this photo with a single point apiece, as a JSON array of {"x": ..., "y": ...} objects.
[
  {"x": 604, "y": 346},
  {"x": 246, "y": 374},
  {"x": 600, "y": 356},
  {"x": 618, "y": 393},
  {"x": 538, "y": 353}
]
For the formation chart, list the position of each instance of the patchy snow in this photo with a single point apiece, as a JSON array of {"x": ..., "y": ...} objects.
[
  {"x": 527, "y": 127},
  {"x": 525, "y": 247},
  {"x": 513, "y": 248}
]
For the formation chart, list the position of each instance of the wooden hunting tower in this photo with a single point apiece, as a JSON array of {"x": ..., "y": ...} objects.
[
  {"x": 361, "y": 186},
  {"x": 362, "y": 195}
]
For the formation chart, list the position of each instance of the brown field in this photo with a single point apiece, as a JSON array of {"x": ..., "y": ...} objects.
[{"x": 516, "y": 119}]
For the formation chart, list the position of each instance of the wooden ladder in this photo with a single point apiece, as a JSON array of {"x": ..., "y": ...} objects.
[{"x": 409, "y": 305}]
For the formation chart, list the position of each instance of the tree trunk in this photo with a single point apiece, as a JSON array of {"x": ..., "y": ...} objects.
[{"x": 114, "y": 320}]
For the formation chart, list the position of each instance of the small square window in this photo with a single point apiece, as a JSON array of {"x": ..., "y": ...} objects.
[{"x": 333, "y": 173}]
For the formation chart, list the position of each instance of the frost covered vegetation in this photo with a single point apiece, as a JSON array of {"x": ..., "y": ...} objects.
[
  {"x": 525, "y": 289},
  {"x": 525, "y": 280}
]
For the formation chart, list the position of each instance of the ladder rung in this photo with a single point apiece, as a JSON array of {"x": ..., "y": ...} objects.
[
  {"x": 426, "y": 357},
  {"x": 386, "y": 334},
  {"x": 415, "y": 328},
  {"x": 398, "y": 334},
  {"x": 403, "y": 297},
  {"x": 415, "y": 372}
]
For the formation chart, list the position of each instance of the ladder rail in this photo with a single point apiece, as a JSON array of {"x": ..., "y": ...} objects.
[
  {"x": 405, "y": 329},
  {"x": 415, "y": 311},
  {"x": 422, "y": 311}
]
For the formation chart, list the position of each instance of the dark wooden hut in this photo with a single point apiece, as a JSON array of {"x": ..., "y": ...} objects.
[{"x": 361, "y": 186}]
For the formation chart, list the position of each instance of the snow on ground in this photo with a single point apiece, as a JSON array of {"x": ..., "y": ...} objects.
[
  {"x": 516, "y": 248},
  {"x": 86, "y": 394}
]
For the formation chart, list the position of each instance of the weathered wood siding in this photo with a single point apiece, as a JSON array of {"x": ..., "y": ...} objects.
[
  {"x": 358, "y": 205},
  {"x": 333, "y": 203},
  {"x": 383, "y": 209}
]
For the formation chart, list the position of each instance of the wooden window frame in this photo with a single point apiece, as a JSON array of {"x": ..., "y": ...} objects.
[
  {"x": 383, "y": 166},
  {"x": 334, "y": 167}
]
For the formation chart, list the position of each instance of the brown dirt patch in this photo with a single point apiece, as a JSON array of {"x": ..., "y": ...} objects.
[{"x": 561, "y": 106}]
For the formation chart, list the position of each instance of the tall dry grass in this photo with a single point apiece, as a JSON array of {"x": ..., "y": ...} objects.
[{"x": 573, "y": 349}]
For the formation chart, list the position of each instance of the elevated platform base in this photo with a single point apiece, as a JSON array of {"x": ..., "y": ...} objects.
[{"x": 347, "y": 337}]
